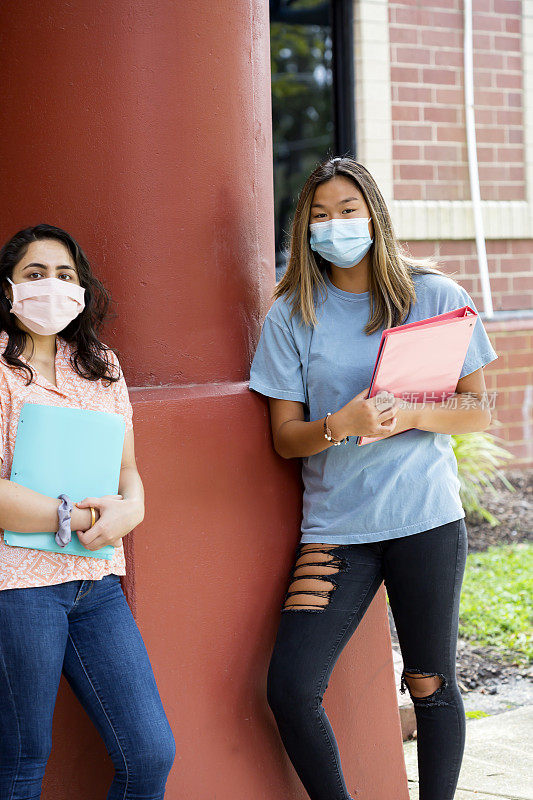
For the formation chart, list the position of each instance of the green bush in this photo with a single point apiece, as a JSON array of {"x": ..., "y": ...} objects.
[
  {"x": 479, "y": 459},
  {"x": 496, "y": 600}
]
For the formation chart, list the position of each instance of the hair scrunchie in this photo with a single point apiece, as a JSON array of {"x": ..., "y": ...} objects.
[{"x": 64, "y": 533}]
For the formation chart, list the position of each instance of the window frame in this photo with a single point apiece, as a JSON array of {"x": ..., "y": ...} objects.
[{"x": 342, "y": 29}]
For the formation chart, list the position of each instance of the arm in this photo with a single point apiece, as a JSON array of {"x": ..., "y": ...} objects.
[
  {"x": 130, "y": 485},
  {"x": 119, "y": 514},
  {"x": 463, "y": 412},
  {"x": 293, "y": 437},
  {"x": 26, "y": 511},
  {"x": 466, "y": 415}
]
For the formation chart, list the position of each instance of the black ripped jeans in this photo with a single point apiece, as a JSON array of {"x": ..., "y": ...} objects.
[{"x": 330, "y": 590}]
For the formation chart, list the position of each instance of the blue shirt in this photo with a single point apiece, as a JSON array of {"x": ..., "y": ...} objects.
[{"x": 393, "y": 487}]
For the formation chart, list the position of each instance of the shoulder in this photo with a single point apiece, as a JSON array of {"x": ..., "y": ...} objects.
[
  {"x": 285, "y": 329},
  {"x": 105, "y": 352},
  {"x": 440, "y": 291},
  {"x": 4, "y": 385},
  {"x": 8, "y": 373},
  {"x": 279, "y": 313},
  {"x": 112, "y": 359},
  {"x": 10, "y": 378},
  {"x": 4, "y": 338}
]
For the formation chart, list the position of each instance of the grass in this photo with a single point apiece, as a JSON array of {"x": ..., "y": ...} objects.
[
  {"x": 476, "y": 714},
  {"x": 496, "y": 605}
]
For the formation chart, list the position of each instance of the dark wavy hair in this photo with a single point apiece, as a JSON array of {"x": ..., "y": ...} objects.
[{"x": 90, "y": 356}]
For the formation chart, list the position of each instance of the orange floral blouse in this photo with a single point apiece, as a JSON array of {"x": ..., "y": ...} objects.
[{"x": 21, "y": 567}]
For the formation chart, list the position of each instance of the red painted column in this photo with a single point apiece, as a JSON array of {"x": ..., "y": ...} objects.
[{"x": 144, "y": 129}]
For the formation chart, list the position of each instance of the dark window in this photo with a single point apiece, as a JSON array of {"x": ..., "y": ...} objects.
[{"x": 312, "y": 97}]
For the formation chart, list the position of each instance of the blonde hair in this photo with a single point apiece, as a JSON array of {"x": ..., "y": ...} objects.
[{"x": 391, "y": 284}]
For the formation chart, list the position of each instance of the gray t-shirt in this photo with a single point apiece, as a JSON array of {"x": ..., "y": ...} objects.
[{"x": 381, "y": 490}]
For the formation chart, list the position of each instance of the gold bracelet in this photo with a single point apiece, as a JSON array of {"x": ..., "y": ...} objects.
[{"x": 93, "y": 516}]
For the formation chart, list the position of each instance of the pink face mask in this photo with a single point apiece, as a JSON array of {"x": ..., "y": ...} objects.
[{"x": 48, "y": 305}]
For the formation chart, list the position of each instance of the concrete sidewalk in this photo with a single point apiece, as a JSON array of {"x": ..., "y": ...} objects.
[{"x": 498, "y": 760}]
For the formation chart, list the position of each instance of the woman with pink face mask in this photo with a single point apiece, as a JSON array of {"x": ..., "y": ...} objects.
[{"x": 59, "y": 612}]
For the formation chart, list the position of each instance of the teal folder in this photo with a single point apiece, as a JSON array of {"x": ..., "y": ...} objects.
[{"x": 66, "y": 450}]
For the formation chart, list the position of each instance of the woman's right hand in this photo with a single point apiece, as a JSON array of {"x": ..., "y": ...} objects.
[
  {"x": 80, "y": 518},
  {"x": 362, "y": 417}
]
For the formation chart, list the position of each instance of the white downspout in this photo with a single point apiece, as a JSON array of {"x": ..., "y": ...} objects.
[{"x": 472, "y": 159}]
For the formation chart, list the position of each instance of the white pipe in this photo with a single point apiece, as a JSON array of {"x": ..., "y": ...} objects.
[{"x": 472, "y": 159}]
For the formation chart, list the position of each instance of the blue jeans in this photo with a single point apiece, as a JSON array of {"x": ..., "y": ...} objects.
[
  {"x": 84, "y": 629},
  {"x": 331, "y": 588}
]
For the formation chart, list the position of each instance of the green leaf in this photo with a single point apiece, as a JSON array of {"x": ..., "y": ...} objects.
[{"x": 479, "y": 458}]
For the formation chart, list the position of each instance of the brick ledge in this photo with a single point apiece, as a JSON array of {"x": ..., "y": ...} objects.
[{"x": 510, "y": 324}]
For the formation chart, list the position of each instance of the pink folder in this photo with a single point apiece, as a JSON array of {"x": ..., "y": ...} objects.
[{"x": 422, "y": 359}]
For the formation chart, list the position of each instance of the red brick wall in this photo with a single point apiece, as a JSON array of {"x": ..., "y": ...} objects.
[
  {"x": 427, "y": 83},
  {"x": 510, "y": 264},
  {"x": 511, "y": 377},
  {"x": 430, "y": 163}
]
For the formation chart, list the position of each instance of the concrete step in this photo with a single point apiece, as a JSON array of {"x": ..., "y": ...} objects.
[{"x": 498, "y": 759}]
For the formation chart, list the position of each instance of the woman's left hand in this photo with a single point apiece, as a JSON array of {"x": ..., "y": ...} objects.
[
  {"x": 406, "y": 418},
  {"x": 117, "y": 517}
]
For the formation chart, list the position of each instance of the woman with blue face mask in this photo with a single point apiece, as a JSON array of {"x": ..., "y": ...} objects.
[{"x": 386, "y": 511}]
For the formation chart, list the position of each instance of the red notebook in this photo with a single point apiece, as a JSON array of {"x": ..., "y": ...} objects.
[{"x": 422, "y": 360}]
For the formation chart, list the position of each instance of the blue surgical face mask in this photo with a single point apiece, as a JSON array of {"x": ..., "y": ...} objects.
[{"x": 343, "y": 242}]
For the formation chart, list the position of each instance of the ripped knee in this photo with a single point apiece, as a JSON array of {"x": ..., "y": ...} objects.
[
  {"x": 425, "y": 688},
  {"x": 313, "y": 580}
]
